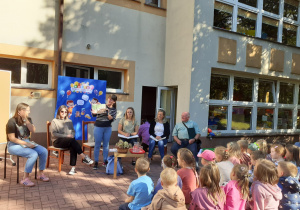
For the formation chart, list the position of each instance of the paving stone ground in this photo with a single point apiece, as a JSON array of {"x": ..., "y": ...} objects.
[{"x": 88, "y": 189}]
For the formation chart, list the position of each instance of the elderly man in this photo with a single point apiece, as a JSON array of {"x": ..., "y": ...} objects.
[{"x": 181, "y": 135}]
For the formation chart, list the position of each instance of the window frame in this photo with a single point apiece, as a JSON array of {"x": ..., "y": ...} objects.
[
  {"x": 23, "y": 83},
  {"x": 254, "y": 104},
  {"x": 76, "y": 66},
  {"x": 262, "y": 13},
  {"x": 110, "y": 90}
]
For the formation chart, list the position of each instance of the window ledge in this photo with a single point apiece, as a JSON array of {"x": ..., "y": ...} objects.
[
  {"x": 253, "y": 37},
  {"x": 152, "y": 5},
  {"x": 137, "y": 1},
  {"x": 34, "y": 88},
  {"x": 255, "y": 134},
  {"x": 120, "y": 93}
]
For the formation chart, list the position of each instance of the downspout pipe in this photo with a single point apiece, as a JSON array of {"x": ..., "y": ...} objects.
[{"x": 60, "y": 36}]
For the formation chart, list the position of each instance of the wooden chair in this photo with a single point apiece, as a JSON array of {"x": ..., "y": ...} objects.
[
  {"x": 61, "y": 151},
  {"x": 18, "y": 165},
  {"x": 88, "y": 143}
]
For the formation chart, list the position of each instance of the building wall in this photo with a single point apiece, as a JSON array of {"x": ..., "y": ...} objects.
[
  {"x": 178, "y": 52},
  {"x": 205, "y": 58}
]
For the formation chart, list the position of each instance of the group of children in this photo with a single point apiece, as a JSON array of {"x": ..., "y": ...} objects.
[{"x": 241, "y": 176}]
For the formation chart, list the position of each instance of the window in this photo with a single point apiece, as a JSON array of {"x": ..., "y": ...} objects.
[
  {"x": 269, "y": 29},
  {"x": 113, "y": 78},
  {"x": 285, "y": 119},
  {"x": 289, "y": 34},
  {"x": 286, "y": 94},
  {"x": 271, "y": 6},
  {"x": 223, "y": 16},
  {"x": 298, "y": 119},
  {"x": 219, "y": 87},
  {"x": 246, "y": 22},
  {"x": 252, "y": 3},
  {"x": 260, "y": 18},
  {"x": 265, "y": 119},
  {"x": 242, "y": 90},
  {"x": 78, "y": 71},
  {"x": 153, "y": 2},
  {"x": 28, "y": 73},
  {"x": 217, "y": 119},
  {"x": 266, "y": 91},
  {"x": 241, "y": 118},
  {"x": 291, "y": 9}
]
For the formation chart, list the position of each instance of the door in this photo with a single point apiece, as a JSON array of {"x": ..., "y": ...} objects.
[{"x": 166, "y": 100}]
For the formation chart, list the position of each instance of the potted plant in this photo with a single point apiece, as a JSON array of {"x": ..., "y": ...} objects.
[{"x": 123, "y": 146}]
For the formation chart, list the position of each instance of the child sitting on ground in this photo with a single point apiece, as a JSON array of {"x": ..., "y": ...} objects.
[
  {"x": 224, "y": 165},
  {"x": 187, "y": 172},
  {"x": 265, "y": 192},
  {"x": 207, "y": 157},
  {"x": 277, "y": 153},
  {"x": 245, "y": 159},
  {"x": 167, "y": 162},
  {"x": 289, "y": 184},
  {"x": 171, "y": 196},
  {"x": 234, "y": 152},
  {"x": 141, "y": 189},
  {"x": 252, "y": 147},
  {"x": 255, "y": 157},
  {"x": 237, "y": 190},
  {"x": 209, "y": 195}
]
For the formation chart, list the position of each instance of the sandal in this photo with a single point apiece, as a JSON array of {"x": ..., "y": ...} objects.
[
  {"x": 27, "y": 182},
  {"x": 43, "y": 178}
]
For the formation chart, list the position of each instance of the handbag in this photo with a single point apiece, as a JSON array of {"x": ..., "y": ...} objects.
[{"x": 191, "y": 131}]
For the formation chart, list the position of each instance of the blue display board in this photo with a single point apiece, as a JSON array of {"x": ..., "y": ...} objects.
[{"x": 78, "y": 94}]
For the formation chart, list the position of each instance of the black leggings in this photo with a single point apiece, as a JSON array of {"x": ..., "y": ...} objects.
[{"x": 72, "y": 144}]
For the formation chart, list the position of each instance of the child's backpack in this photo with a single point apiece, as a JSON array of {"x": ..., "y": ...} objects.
[{"x": 110, "y": 166}]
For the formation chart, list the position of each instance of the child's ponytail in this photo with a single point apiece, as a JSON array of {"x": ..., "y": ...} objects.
[{"x": 241, "y": 172}]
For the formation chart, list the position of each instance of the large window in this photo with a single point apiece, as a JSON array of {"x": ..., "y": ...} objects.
[
  {"x": 255, "y": 105},
  {"x": 28, "y": 73},
  {"x": 259, "y": 18},
  {"x": 113, "y": 78}
]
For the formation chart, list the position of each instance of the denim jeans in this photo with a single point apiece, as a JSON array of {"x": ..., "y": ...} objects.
[
  {"x": 31, "y": 154},
  {"x": 185, "y": 144},
  {"x": 161, "y": 148},
  {"x": 101, "y": 134}
]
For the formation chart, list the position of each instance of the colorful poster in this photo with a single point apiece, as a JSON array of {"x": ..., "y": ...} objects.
[{"x": 78, "y": 94}]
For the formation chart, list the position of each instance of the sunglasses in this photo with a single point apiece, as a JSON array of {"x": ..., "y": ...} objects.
[{"x": 63, "y": 112}]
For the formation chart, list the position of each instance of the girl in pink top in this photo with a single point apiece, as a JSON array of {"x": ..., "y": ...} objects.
[
  {"x": 187, "y": 172},
  {"x": 234, "y": 152},
  {"x": 237, "y": 190},
  {"x": 209, "y": 195}
]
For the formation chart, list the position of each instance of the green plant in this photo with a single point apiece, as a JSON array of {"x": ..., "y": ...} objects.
[{"x": 123, "y": 144}]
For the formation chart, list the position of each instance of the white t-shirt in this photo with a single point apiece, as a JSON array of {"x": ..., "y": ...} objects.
[
  {"x": 225, "y": 168},
  {"x": 159, "y": 129}
]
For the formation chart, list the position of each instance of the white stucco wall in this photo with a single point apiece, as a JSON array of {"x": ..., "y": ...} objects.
[
  {"x": 120, "y": 33},
  {"x": 179, "y": 43},
  {"x": 205, "y": 56},
  {"x": 28, "y": 23}
]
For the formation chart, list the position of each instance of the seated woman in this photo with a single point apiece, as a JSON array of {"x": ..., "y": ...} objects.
[
  {"x": 144, "y": 134},
  {"x": 128, "y": 126},
  {"x": 18, "y": 129},
  {"x": 62, "y": 135},
  {"x": 160, "y": 130}
]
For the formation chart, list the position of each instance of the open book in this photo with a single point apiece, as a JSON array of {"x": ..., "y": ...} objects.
[
  {"x": 152, "y": 137},
  {"x": 98, "y": 107},
  {"x": 130, "y": 137},
  {"x": 32, "y": 142}
]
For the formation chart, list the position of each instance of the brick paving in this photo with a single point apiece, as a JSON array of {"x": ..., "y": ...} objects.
[{"x": 87, "y": 189}]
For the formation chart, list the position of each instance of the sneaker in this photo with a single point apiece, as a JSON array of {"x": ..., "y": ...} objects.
[
  {"x": 104, "y": 164},
  {"x": 88, "y": 160},
  {"x": 27, "y": 182},
  {"x": 133, "y": 163},
  {"x": 43, "y": 178},
  {"x": 95, "y": 167},
  {"x": 72, "y": 171},
  {"x": 55, "y": 153}
]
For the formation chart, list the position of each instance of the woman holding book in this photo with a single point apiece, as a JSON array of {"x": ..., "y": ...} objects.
[
  {"x": 18, "y": 129},
  {"x": 159, "y": 133},
  {"x": 63, "y": 136},
  {"x": 102, "y": 129}
]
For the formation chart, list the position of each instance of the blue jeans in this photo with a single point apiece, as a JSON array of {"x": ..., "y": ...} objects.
[
  {"x": 185, "y": 144},
  {"x": 101, "y": 134},
  {"x": 31, "y": 154},
  {"x": 161, "y": 148}
]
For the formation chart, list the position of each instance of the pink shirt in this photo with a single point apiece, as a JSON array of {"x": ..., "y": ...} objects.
[
  {"x": 189, "y": 183},
  {"x": 234, "y": 160},
  {"x": 200, "y": 200},
  {"x": 234, "y": 199}
]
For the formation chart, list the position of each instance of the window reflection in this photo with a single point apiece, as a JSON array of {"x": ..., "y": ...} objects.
[
  {"x": 217, "y": 119},
  {"x": 269, "y": 29},
  {"x": 266, "y": 90},
  {"x": 219, "y": 87},
  {"x": 223, "y": 16},
  {"x": 252, "y": 3},
  {"x": 291, "y": 9},
  {"x": 285, "y": 119},
  {"x": 289, "y": 34},
  {"x": 271, "y": 6},
  {"x": 286, "y": 94},
  {"x": 264, "y": 119},
  {"x": 241, "y": 118},
  {"x": 246, "y": 22},
  {"x": 242, "y": 90}
]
